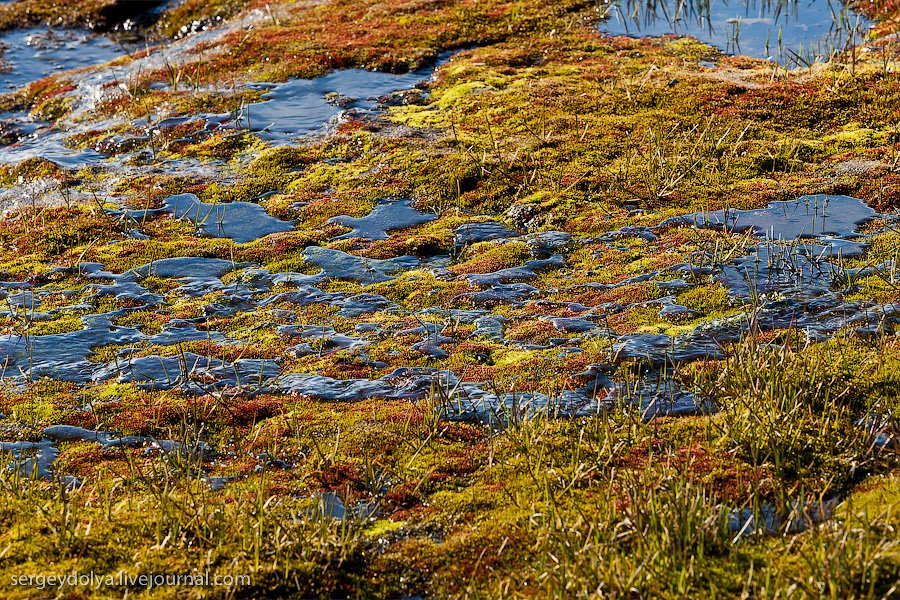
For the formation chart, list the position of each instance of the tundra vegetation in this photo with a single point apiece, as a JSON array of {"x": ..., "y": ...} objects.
[{"x": 543, "y": 324}]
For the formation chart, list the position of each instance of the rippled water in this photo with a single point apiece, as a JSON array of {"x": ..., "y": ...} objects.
[{"x": 32, "y": 54}]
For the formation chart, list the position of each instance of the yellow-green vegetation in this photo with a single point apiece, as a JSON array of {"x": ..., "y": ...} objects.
[
  {"x": 383, "y": 414},
  {"x": 547, "y": 507}
]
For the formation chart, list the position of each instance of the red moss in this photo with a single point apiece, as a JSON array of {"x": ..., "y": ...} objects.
[
  {"x": 339, "y": 476},
  {"x": 243, "y": 411},
  {"x": 403, "y": 496}
]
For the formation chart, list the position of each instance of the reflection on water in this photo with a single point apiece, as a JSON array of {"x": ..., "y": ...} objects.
[
  {"x": 791, "y": 32},
  {"x": 303, "y": 106}
]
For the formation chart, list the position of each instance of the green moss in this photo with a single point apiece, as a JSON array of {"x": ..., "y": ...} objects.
[
  {"x": 709, "y": 299},
  {"x": 486, "y": 257},
  {"x": 541, "y": 124}
]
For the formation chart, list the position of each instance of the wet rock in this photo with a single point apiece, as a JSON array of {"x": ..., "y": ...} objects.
[
  {"x": 118, "y": 144},
  {"x": 431, "y": 347},
  {"x": 674, "y": 285},
  {"x": 645, "y": 233},
  {"x": 676, "y": 312},
  {"x": 474, "y": 233},
  {"x": 571, "y": 325},
  {"x": 491, "y": 327},
  {"x": 271, "y": 462},
  {"x": 546, "y": 243},
  {"x": 69, "y": 433},
  {"x": 339, "y": 100},
  {"x": 505, "y": 293},
  {"x": 523, "y": 215},
  {"x": 412, "y": 97},
  {"x": 217, "y": 483}
]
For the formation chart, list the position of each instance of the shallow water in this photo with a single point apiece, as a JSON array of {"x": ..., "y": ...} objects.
[
  {"x": 240, "y": 221},
  {"x": 63, "y": 356},
  {"x": 791, "y": 32},
  {"x": 302, "y": 106},
  {"x": 383, "y": 218},
  {"x": 37, "y": 139},
  {"x": 32, "y": 54},
  {"x": 192, "y": 372},
  {"x": 803, "y": 243},
  {"x": 807, "y": 217},
  {"x": 340, "y": 265}
]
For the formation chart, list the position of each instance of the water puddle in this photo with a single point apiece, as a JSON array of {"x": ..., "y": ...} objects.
[
  {"x": 303, "y": 106},
  {"x": 63, "y": 356},
  {"x": 807, "y": 217},
  {"x": 501, "y": 293},
  {"x": 811, "y": 232},
  {"x": 341, "y": 265},
  {"x": 191, "y": 372},
  {"x": 791, "y": 32},
  {"x": 329, "y": 505},
  {"x": 803, "y": 243},
  {"x": 525, "y": 272},
  {"x": 319, "y": 339},
  {"x": 240, "y": 221},
  {"x": 383, "y": 218}
]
